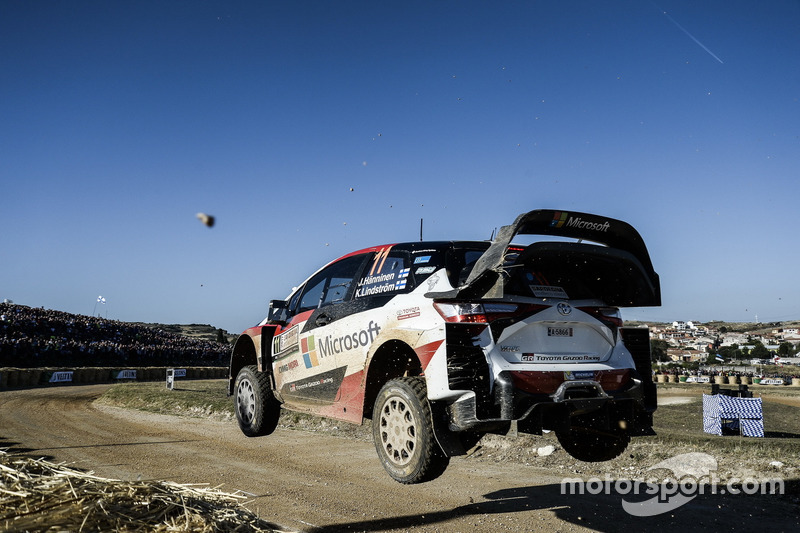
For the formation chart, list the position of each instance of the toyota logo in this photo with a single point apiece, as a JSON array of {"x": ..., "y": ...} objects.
[{"x": 564, "y": 308}]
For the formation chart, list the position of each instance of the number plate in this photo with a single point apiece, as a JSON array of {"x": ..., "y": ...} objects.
[{"x": 559, "y": 332}]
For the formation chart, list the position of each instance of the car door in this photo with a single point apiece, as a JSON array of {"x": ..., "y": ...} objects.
[{"x": 311, "y": 373}]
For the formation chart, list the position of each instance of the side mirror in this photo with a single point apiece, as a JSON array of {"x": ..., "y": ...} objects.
[{"x": 277, "y": 311}]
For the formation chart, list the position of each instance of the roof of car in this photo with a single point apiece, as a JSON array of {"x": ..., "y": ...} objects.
[{"x": 422, "y": 246}]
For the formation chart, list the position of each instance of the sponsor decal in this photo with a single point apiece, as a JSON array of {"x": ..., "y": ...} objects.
[
  {"x": 509, "y": 348},
  {"x": 559, "y": 358},
  {"x": 405, "y": 314},
  {"x": 559, "y": 219},
  {"x": 698, "y": 379},
  {"x": 291, "y": 365},
  {"x": 771, "y": 381},
  {"x": 332, "y": 345},
  {"x": 425, "y": 270},
  {"x": 559, "y": 332},
  {"x": 308, "y": 347},
  {"x": 422, "y": 259},
  {"x": 564, "y": 308},
  {"x": 323, "y": 386},
  {"x": 573, "y": 376},
  {"x": 562, "y": 218},
  {"x": 547, "y": 291},
  {"x": 126, "y": 374},
  {"x": 286, "y": 341},
  {"x": 310, "y": 384}
]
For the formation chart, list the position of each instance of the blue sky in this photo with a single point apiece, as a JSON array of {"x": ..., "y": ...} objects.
[{"x": 121, "y": 120}]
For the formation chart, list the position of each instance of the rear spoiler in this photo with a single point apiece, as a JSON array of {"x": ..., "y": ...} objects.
[{"x": 485, "y": 280}]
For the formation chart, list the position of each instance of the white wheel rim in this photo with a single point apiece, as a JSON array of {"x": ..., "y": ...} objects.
[
  {"x": 246, "y": 400},
  {"x": 398, "y": 431}
]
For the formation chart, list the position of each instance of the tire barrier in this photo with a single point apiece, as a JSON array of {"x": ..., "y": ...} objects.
[{"x": 18, "y": 378}]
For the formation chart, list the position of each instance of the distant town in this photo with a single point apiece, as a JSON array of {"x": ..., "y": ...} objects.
[{"x": 726, "y": 343}]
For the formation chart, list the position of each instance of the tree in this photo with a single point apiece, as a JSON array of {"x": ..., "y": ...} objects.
[
  {"x": 658, "y": 350},
  {"x": 760, "y": 351}
]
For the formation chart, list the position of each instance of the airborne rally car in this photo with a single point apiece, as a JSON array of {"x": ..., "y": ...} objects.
[{"x": 439, "y": 343}]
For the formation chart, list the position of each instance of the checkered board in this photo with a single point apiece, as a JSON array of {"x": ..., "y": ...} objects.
[{"x": 738, "y": 414}]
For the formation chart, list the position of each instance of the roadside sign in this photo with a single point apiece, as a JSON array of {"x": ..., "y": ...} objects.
[{"x": 173, "y": 373}]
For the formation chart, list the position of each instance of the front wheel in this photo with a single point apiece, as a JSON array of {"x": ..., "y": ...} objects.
[
  {"x": 403, "y": 432},
  {"x": 257, "y": 409}
]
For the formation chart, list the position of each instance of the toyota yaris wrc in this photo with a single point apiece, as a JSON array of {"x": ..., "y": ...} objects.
[{"x": 439, "y": 343}]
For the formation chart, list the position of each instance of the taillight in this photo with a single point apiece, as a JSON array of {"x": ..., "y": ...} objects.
[
  {"x": 484, "y": 313},
  {"x": 607, "y": 315}
]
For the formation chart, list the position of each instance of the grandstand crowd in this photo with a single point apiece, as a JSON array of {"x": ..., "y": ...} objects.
[{"x": 37, "y": 337}]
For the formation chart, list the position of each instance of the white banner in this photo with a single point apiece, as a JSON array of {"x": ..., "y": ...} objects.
[
  {"x": 126, "y": 374},
  {"x": 61, "y": 377}
]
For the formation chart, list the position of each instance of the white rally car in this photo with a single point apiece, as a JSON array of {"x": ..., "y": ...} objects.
[{"x": 439, "y": 343}]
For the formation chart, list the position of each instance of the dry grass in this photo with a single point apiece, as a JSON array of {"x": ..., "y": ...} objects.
[{"x": 36, "y": 495}]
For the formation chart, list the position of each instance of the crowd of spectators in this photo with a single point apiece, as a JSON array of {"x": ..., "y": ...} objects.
[{"x": 37, "y": 337}]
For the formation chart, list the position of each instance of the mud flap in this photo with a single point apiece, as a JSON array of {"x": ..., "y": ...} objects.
[{"x": 449, "y": 441}]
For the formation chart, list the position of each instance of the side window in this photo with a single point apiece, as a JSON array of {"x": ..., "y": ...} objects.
[
  {"x": 460, "y": 263},
  {"x": 388, "y": 272},
  {"x": 312, "y": 294},
  {"x": 332, "y": 285}
]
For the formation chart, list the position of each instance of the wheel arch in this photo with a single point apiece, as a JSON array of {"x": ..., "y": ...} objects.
[
  {"x": 253, "y": 347},
  {"x": 393, "y": 359}
]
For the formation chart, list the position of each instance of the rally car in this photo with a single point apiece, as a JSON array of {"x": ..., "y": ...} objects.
[{"x": 439, "y": 343}]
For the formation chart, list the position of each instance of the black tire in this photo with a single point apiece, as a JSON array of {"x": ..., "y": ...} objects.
[
  {"x": 593, "y": 446},
  {"x": 403, "y": 433},
  {"x": 257, "y": 409}
]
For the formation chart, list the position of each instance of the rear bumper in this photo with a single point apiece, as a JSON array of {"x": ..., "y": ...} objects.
[{"x": 625, "y": 408}]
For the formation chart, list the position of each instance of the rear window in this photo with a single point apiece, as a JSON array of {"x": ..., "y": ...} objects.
[{"x": 579, "y": 272}]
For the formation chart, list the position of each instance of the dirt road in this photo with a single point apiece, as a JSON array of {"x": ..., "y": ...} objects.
[{"x": 308, "y": 481}]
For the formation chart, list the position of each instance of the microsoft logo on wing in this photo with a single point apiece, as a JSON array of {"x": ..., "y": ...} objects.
[
  {"x": 559, "y": 219},
  {"x": 309, "y": 349}
]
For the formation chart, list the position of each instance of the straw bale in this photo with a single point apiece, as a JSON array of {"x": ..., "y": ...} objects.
[{"x": 37, "y": 495}]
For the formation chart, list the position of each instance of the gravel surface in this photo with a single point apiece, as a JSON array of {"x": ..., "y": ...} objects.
[{"x": 325, "y": 478}]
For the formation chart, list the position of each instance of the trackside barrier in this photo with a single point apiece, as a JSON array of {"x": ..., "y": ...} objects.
[
  {"x": 727, "y": 380},
  {"x": 17, "y": 378}
]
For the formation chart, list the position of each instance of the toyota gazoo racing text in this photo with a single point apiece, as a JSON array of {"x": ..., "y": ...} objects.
[{"x": 439, "y": 343}]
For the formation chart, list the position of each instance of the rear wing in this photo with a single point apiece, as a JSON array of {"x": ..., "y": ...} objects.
[{"x": 621, "y": 238}]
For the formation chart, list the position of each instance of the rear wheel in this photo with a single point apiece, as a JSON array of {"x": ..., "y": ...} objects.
[
  {"x": 403, "y": 432},
  {"x": 257, "y": 409},
  {"x": 593, "y": 446}
]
